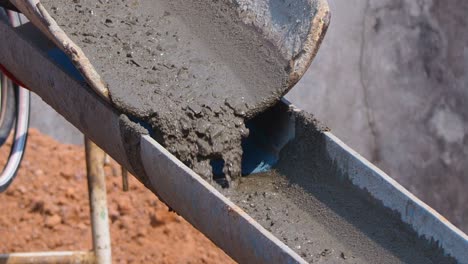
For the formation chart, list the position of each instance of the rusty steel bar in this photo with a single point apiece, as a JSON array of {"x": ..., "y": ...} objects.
[
  {"x": 95, "y": 158},
  {"x": 65, "y": 257},
  {"x": 124, "y": 173}
]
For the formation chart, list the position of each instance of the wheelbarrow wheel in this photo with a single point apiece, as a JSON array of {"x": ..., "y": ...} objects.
[{"x": 7, "y": 108}]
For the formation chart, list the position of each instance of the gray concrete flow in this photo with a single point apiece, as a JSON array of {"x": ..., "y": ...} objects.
[
  {"x": 97, "y": 119},
  {"x": 248, "y": 240},
  {"x": 193, "y": 100},
  {"x": 396, "y": 93}
]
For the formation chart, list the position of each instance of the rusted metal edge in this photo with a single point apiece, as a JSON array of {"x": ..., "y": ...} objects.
[
  {"x": 318, "y": 28},
  {"x": 95, "y": 158},
  {"x": 64, "y": 257},
  {"x": 294, "y": 27}
]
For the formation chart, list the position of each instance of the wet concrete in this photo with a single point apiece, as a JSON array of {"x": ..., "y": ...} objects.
[
  {"x": 322, "y": 217},
  {"x": 189, "y": 68},
  {"x": 307, "y": 203}
]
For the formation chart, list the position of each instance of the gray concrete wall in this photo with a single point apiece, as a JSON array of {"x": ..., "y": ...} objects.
[{"x": 391, "y": 80}]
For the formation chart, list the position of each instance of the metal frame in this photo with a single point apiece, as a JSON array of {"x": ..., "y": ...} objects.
[
  {"x": 101, "y": 253},
  {"x": 186, "y": 192},
  {"x": 22, "y": 122},
  {"x": 95, "y": 159}
]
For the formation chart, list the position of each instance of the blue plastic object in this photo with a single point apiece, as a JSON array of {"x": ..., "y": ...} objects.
[
  {"x": 257, "y": 157},
  {"x": 59, "y": 57}
]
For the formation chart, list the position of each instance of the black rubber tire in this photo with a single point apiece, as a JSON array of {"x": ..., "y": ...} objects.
[{"x": 6, "y": 123}]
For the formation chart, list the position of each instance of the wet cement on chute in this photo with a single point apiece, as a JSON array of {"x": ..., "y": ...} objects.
[
  {"x": 310, "y": 204},
  {"x": 190, "y": 69},
  {"x": 323, "y": 220}
]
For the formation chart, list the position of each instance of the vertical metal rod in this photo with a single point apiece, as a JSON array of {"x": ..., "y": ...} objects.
[
  {"x": 95, "y": 158},
  {"x": 124, "y": 179},
  {"x": 106, "y": 160}
]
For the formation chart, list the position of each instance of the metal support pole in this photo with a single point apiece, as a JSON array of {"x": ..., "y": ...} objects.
[
  {"x": 95, "y": 158},
  {"x": 124, "y": 173},
  {"x": 81, "y": 257},
  {"x": 101, "y": 254}
]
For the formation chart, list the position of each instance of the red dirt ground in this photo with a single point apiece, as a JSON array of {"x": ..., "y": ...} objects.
[{"x": 46, "y": 208}]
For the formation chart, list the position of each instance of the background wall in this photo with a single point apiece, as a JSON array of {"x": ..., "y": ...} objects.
[
  {"x": 44, "y": 118},
  {"x": 391, "y": 81}
]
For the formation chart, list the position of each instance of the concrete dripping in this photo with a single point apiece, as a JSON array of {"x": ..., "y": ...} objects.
[
  {"x": 190, "y": 69},
  {"x": 305, "y": 200}
]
